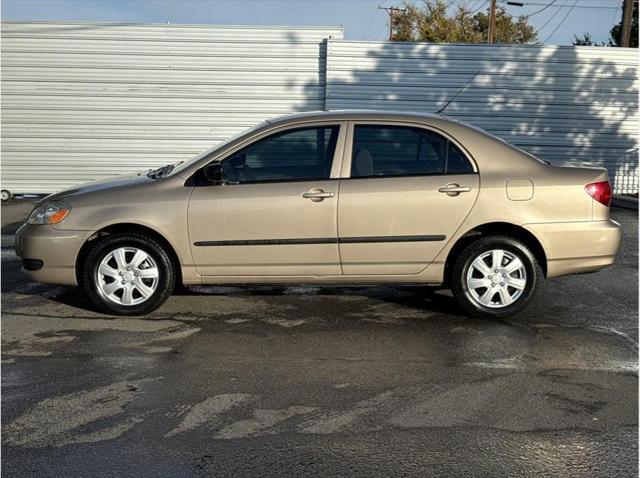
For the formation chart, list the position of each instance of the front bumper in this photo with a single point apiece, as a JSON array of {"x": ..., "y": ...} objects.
[
  {"x": 56, "y": 249},
  {"x": 576, "y": 247}
]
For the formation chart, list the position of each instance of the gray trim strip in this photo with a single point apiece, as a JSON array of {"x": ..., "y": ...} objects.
[
  {"x": 361, "y": 240},
  {"x": 268, "y": 242},
  {"x": 321, "y": 240}
]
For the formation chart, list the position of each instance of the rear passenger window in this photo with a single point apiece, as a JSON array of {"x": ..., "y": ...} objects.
[{"x": 404, "y": 151}]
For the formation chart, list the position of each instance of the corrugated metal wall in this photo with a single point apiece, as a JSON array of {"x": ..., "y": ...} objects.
[
  {"x": 85, "y": 101},
  {"x": 568, "y": 105}
]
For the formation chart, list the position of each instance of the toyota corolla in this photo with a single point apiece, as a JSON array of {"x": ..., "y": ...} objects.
[{"x": 346, "y": 197}]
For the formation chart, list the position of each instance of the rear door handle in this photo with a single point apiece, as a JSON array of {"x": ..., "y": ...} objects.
[
  {"x": 317, "y": 195},
  {"x": 454, "y": 189}
]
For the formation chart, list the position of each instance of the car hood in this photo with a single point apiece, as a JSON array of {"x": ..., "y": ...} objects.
[{"x": 118, "y": 182}]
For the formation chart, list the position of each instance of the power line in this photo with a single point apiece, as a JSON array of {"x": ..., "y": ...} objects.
[
  {"x": 381, "y": 30},
  {"x": 482, "y": 4},
  {"x": 561, "y": 21},
  {"x": 615, "y": 15},
  {"x": 550, "y": 19},
  {"x": 475, "y": 4},
  {"x": 528, "y": 15},
  {"x": 588, "y": 7},
  {"x": 375, "y": 14},
  {"x": 541, "y": 10}
]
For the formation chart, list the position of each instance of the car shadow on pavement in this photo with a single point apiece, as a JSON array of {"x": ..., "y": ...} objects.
[{"x": 417, "y": 298}]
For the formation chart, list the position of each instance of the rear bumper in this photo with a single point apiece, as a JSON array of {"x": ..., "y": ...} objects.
[
  {"x": 576, "y": 247},
  {"x": 49, "y": 255}
]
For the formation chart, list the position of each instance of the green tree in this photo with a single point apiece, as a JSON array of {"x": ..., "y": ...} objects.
[
  {"x": 616, "y": 31},
  {"x": 585, "y": 40},
  {"x": 431, "y": 22}
]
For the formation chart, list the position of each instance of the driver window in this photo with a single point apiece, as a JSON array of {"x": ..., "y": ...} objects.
[
  {"x": 386, "y": 151},
  {"x": 298, "y": 154}
]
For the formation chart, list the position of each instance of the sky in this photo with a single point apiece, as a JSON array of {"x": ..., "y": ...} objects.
[{"x": 361, "y": 19}]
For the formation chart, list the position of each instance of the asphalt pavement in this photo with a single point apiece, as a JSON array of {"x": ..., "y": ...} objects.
[{"x": 321, "y": 381}]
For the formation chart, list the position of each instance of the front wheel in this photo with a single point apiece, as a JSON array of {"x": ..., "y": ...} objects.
[
  {"x": 495, "y": 277},
  {"x": 128, "y": 274}
]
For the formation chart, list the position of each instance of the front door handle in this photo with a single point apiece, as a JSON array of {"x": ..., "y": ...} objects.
[
  {"x": 317, "y": 195},
  {"x": 454, "y": 189}
]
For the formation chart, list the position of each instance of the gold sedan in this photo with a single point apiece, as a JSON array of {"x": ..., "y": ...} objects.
[{"x": 331, "y": 197}]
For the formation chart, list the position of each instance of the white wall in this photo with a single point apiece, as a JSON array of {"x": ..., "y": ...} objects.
[
  {"x": 84, "y": 101},
  {"x": 568, "y": 105}
]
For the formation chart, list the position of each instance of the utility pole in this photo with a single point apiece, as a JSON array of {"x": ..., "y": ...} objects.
[
  {"x": 391, "y": 11},
  {"x": 491, "y": 37},
  {"x": 627, "y": 16}
]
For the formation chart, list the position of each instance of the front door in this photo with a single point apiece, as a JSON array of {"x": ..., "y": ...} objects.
[
  {"x": 408, "y": 191},
  {"x": 276, "y": 214}
]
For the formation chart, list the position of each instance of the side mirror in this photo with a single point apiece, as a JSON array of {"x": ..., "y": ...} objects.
[{"x": 213, "y": 173}]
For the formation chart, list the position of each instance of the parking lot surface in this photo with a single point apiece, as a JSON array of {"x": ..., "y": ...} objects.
[{"x": 329, "y": 381}]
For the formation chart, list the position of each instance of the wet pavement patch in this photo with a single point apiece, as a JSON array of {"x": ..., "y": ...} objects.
[{"x": 308, "y": 381}]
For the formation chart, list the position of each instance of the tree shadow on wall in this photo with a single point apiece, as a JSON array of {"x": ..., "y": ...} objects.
[{"x": 570, "y": 106}]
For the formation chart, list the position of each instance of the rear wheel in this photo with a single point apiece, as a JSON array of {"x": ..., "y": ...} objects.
[
  {"x": 495, "y": 277},
  {"x": 128, "y": 274}
]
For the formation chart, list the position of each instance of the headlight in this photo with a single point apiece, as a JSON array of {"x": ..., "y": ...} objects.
[{"x": 49, "y": 213}]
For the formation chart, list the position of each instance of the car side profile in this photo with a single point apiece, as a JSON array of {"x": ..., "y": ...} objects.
[{"x": 346, "y": 197}]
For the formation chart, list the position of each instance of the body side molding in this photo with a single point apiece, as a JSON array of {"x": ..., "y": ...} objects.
[{"x": 320, "y": 240}]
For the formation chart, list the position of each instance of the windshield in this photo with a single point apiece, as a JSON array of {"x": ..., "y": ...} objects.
[{"x": 176, "y": 168}]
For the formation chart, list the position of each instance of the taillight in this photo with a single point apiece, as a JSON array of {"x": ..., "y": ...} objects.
[{"x": 600, "y": 191}]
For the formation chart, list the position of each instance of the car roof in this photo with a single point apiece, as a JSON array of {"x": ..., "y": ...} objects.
[{"x": 360, "y": 114}]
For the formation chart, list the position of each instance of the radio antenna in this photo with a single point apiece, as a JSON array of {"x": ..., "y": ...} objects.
[{"x": 457, "y": 93}]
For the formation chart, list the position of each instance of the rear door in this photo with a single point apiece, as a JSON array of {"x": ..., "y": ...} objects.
[
  {"x": 277, "y": 213},
  {"x": 405, "y": 192}
]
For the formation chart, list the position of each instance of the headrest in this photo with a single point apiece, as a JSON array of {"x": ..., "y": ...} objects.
[{"x": 362, "y": 164}]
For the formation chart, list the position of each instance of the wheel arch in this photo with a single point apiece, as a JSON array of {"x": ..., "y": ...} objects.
[
  {"x": 125, "y": 227},
  {"x": 501, "y": 229}
]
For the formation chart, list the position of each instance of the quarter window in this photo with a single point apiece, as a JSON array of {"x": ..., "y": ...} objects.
[
  {"x": 404, "y": 151},
  {"x": 299, "y": 154}
]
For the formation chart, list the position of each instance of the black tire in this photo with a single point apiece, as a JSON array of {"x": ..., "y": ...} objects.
[
  {"x": 162, "y": 259},
  {"x": 534, "y": 277}
]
